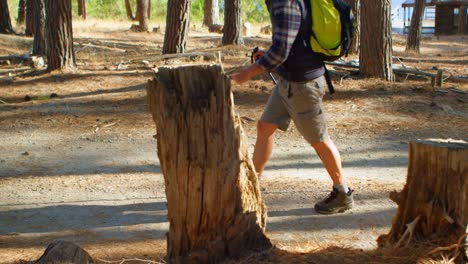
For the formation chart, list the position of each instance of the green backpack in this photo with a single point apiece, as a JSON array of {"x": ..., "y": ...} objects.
[{"x": 332, "y": 28}]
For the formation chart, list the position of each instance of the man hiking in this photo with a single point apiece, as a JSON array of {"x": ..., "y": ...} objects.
[{"x": 297, "y": 96}]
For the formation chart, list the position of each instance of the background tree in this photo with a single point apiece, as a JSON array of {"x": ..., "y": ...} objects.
[
  {"x": 375, "y": 56},
  {"x": 21, "y": 12},
  {"x": 414, "y": 34},
  {"x": 60, "y": 52},
  {"x": 82, "y": 8},
  {"x": 39, "y": 28},
  {"x": 29, "y": 18},
  {"x": 177, "y": 26},
  {"x": 356, "y": 6},
  {"x": 128, "y": 8},
  {"x": 211, "y": 12},
  {"x": 5, "y": 21},
  {"x": 232, "y": 22},
  {"x": 142, "y": 14}
]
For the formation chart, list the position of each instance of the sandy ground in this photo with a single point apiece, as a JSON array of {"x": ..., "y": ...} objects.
[{"x": 83, "y": 166}]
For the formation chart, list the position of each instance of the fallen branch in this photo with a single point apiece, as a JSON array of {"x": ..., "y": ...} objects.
[
  {"x": 409, "y": 233},
  {"x": 132, "y": 260}
]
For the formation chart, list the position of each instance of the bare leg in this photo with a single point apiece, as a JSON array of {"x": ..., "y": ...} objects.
[
  {"x": 263, "y": 145},
  {"x": 331, "y": 159}
]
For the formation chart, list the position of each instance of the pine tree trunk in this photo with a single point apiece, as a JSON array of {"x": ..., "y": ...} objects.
[
  {"x": 60, "y": 52},
  {"x": 128, "y": 8},
  {"x": 414, "y": 35},
  {"x": 375, "y": 55},
  {"x": 215, "y": 208},
  {"x": 142, "y": 14},
  {"x": 211, "y": 13},
  {"x": 39, "y": 27},
  {"x": 21, "y": 12},
  {"x": 177, "y": 26},
  {"x": 232, "y": 23},
  {"x": 29, "y": 18},
  {"x": 5, "y": 21},
  {"x": 356, "y": 7},
  {"x": 434, "y": 202},
  {"x": 82, "y": 8},
  {"x": 149, "y": 9}
]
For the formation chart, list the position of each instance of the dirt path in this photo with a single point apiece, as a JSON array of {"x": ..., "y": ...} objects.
[{"x": 83, "y": 166}]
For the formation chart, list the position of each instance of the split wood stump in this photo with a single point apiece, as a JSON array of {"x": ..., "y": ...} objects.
[
  {"x": 433, "y": 204},
  {"x": 215, "y": 209}
]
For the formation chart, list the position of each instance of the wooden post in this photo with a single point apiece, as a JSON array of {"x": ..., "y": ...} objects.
[
  {"x": 433, "y": 204},
  {"x": 215, "y": 208}
]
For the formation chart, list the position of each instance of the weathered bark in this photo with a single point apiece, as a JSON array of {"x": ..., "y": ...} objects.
[
  {"x": 232, "y": 23},
  {"x": 39, "y": 27},
  {"x": 149, "y": 9},
  {"x": 64, "y": 252},
  {"x": 414, "y": 34},
  {"x": 60, "y": 52},
  {"x": 82, "y": 8},
  {"x": 375, "y": 54},
  {"x": 215, "y": 208},
  {"x": 142, "y": 14},
  {"x": 433, "y": 204},
  {"x": 5, "y": 21},
  {"x": 211, "y": 13},
  {"x": 177, "y": 26},
  {"x": 128, "y": 8},
  {"x": 29, "y": 31},
  {"x": 356, "y": 7},
  {"x": 21, "y": 12}
]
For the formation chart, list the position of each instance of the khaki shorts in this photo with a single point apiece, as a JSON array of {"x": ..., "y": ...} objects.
[{"x": 301, "y": 102}]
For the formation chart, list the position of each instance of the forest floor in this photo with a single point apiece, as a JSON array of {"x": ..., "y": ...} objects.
[{"x": 83, "y": 167}]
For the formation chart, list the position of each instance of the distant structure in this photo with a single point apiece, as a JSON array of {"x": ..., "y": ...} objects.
[{"x": 428, "y": 16}]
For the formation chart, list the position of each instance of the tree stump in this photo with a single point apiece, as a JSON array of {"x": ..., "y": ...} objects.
[
  {"x": 215, "y": 208},
  {"x": 433, "y": 204},
  {"x": 63, "y": 252}
]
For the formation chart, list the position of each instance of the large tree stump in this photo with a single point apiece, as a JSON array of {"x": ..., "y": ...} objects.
[
  {"x": 433, "y": 204},
  {"x": 63, "y": 252},
  {"x": 215, "y": 209}
]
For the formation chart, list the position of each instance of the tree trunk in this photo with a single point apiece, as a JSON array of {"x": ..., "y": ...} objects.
[
  {"x": 433, "y": 205},
  {"x": 128, "y": 8},
  {"x": 64, "y": 252},
  {"x": 5, "y": 21},
  {"x": 356, "y": 7},
  {"x": 21, "y": 12},
  {"x": 82, "y": 8},
  {"x": 232, "y": 23},
  {"x": 215, "y": 208},
  {"x": 142, "y": 14},
  {"x": 177, "y": 26},
  {"x": 375, "y": 54},
  {"x": 39, "y": 27},
  {"x": 211, "y": 13},
  {"x": 60, "y": 52},
  {"x": 29, "y": 18},
  {"x": 414, "y": 34},
  {"x": 149, "y": 9}
]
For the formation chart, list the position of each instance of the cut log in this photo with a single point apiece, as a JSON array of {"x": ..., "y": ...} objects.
[
  {"x": 433, "y": 205},
  {"x": 215, "y": 208},
  {"x": 63, "y": 252}
]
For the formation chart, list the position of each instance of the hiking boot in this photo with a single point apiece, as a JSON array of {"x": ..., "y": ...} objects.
[{"x": 336, "y": 202}]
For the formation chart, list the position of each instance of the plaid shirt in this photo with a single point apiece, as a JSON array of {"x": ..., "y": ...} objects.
[{"x": 286, "y": 22}]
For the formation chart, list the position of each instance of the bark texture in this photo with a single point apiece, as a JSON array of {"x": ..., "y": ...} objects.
[
  {"x": 29, "y": 18},
  {"x": 414, "y": 34},
  {"x": 5, "y": 20},
  {"x": 82, "y": 8},
  {"x": 215, "y": 208},
  {"x": 356, "y": 7},
  {"x": 375, "y": 54},
  {"x": 211, "y": 13},
  {"x": 433, "y": 204},
  {"x": 60, "y": 52},
  {"x": 60, "y": 252},
  {"x": 39, "y": 27},
  {"x": 177, "y": 26},
  {"x": 232, "y": 23},
  {"x": 21, "y": 12},
  {"x": 128, "y": 8},
  {"x": 142, "y": 14}
]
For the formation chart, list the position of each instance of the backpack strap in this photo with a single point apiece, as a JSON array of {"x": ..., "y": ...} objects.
[{"x": 331, "y": 88}]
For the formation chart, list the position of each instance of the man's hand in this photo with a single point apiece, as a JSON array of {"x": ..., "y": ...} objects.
[
  {"x": 245, "y": 74},
  {"x": 257, "y": 54}
]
